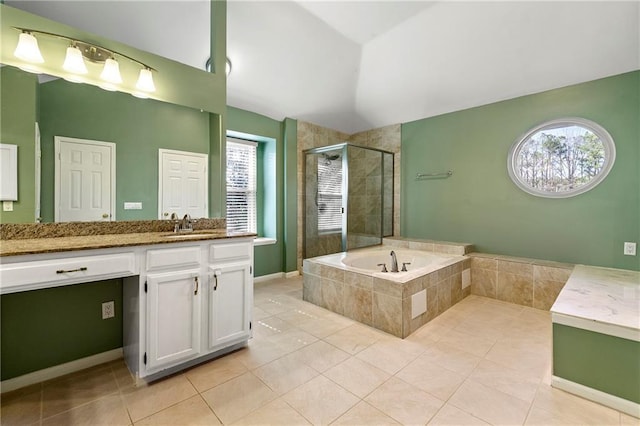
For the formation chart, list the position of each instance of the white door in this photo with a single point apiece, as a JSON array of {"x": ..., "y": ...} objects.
[
  {"x": 84, "y": 180},
  {"x": 173, "y": 317},
  {"x": 182, "y": 184},
  {"x": 229, "y": 303}
]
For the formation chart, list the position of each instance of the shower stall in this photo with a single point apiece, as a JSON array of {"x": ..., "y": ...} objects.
[{"x": 348, "y": 198}]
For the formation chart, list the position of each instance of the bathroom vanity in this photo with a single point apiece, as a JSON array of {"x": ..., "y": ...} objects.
[
  {"x": 186, "y": 297},
  {"x": 596, "y": 337}
]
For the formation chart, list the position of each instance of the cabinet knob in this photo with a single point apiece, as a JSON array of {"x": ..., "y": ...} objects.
[
  {"x": 105, "y": 215},
  {"x": 165, "y": 214}
]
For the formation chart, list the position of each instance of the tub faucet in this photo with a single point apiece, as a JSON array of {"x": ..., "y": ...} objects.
[{"x": 394, "y": 262}]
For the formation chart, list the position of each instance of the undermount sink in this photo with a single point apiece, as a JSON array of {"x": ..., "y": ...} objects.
[{"x": 189, "y": 235}]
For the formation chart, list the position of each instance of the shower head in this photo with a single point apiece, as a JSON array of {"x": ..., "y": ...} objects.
[{"x": 331, "y": 157}]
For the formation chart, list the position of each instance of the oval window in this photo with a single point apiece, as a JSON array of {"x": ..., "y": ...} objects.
[{"x": 561, "y": 158}]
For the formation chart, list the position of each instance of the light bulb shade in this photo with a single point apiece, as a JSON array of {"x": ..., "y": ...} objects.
[
  {"x": 74, "y": 62},
  {"x": 111, "y": 72},
  {"x": 27, "y": 49},
  {"x": 145, "y": 81}
]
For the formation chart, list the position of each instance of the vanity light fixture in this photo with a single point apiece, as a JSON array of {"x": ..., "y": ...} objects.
[
  {"x": 74, "y": 63},
  {"x": 145, "y": 81},
  {"x": 27, "y": 49}
]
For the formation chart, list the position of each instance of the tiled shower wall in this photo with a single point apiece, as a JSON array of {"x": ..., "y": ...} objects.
[{"x": 313, "y": 136}]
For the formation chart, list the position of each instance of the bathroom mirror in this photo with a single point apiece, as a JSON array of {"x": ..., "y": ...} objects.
[
  {"x": 137, "y": 127},
  {"x": 192, "y": 102}
]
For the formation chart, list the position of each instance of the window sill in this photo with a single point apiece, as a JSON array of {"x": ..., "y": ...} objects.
[{"x": 262, "y": 241}]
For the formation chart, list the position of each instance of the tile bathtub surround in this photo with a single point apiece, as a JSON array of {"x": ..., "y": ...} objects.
[
  {"x": 429, "y": 245},
  {"x": 471, "y": 365},
  {"x": 381, "y": 303},
  {"x": 23, "y": 231},
  {"x": 526, "y": 282}
]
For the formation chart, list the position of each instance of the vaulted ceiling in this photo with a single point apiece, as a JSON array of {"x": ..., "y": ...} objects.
[{"x": 357, "y": 65}]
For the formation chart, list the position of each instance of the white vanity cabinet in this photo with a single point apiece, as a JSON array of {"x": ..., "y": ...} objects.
[
  {"x": 231, "y": 293},
  {"x": 193, "y": 302},
  {"x": 183, "y": 302}
]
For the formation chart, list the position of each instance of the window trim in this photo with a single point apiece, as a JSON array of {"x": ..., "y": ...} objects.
[
  {"x": 609, "y": 156},
  {"x": 253, "y": 227}
]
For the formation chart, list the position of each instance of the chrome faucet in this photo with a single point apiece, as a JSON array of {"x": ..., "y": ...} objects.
[
  {"x": 186, "y": 225},
  {"x": 394, "y": 262}
]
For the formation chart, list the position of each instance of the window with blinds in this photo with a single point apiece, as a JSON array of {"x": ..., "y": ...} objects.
[
  {"x": 329, "y": 195},
  {"x": 241, "y": 185}
]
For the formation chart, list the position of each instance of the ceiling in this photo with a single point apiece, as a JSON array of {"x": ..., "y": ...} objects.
[{"x": 357, "y": 65}]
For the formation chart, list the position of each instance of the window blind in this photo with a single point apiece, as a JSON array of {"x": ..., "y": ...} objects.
[
  {"x": 329, "y": 196},
  {"x": 241, "y": 186}
]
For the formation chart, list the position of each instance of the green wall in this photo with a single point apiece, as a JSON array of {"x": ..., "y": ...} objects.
[
  {"x": 138, "y": 127},
  {"x": 290, "y": 136},
  {"x": 18, "y": 109},
  {"x": 606, "y": 363},
  {"x": 268, "y": 259},
  {"x": 43, "y": 328},
  {"x": 479, "y": 204}
]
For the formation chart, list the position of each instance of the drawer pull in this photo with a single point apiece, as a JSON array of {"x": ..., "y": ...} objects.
[{"x": 66, "y": 271}]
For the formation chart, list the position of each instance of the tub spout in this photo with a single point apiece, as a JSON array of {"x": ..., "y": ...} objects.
[{"x": 394, "y": 262}]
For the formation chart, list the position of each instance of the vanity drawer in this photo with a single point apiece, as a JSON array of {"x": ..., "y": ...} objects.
[
  {"x": 173, "y": 257},
  {"x": 23, "y": 276},
  {"x": 219, "y": 252}
]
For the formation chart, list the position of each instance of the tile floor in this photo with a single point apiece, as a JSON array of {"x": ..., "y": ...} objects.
[{"x": 481, "y": 362}]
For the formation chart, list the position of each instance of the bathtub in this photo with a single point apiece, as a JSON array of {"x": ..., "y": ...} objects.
[
  {"x": 368, "y": 261},
  {"x": 365, "y": 261},
  {"x": 352, "y": 284}
]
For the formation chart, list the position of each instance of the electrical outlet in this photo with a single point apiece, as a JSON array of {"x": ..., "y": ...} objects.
[
  {"x": 7, "y": 206},
  {"x": 629, "y": 249},
  {"x": 108, "y": 310}
]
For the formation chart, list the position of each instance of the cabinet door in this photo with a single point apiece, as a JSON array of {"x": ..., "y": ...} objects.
[
  {"x": 229, "y": 303},
  {"x": 173, "y": 317}
]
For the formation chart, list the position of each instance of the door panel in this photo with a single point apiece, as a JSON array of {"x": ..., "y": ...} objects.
[
  {"x": 85, "y": 180},
  {"x": 228, "y": 303},
  {"x": 182, "y": 184},
  {"x": 173, "y": 308}
]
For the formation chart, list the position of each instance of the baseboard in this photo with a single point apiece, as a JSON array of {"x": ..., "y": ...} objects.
[
  {"x": 269, "y": 277},
  {"x": 277, "y": 275},
  {"x": 59, "y": 370},
  {"x": 615, "y": 402}
]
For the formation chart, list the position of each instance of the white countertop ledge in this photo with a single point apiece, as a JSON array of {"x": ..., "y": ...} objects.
[{"x": 603, "y": 300}]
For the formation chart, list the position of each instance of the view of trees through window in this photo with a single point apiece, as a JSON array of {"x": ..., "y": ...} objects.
[{"x": 560, "y": 159}]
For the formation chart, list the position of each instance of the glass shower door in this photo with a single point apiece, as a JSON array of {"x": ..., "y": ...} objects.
[
  {"x": 365, "y": 201},
  {"x": 324, "y": 207}
]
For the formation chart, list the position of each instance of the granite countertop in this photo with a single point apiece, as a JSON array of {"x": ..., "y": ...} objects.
[
  {"x": 608, "y": 296},
  {"x": 15, "y": 247}
]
